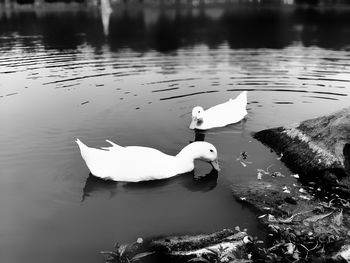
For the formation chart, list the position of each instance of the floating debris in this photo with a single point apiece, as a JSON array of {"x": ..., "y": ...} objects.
[
  {"x": 295, "y": 176},
  {"x": 304, "y": 197},
  {"x": 243, "y": 164},
  {"x": 286, "y": 190},
  {"x": 259, "y": 177},
  {"x": 277, "y": 174},
  {"x": 243, "y": 159},
  {"x": 244, "y": 155},
  {"x": 85, "y": 102},
  {"x": 338, "y": 219},
  {"x": 10, "y": 94},
  {"x": 280, "y": 157}
]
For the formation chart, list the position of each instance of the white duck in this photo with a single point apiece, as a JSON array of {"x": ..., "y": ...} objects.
[
  {"x": 220, "y": 115},
  {"x": 137, "y": 163}
]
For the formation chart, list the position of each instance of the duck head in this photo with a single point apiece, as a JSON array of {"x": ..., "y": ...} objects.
[
  {"x": 197, "y": 117},
  {"x": 203, "y": 151}
]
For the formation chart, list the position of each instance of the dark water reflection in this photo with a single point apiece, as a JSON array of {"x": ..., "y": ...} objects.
[
  {"x": 192, "y": 182},
  {"x": 63, "y": 76},
  {"x": 171, "y": 28}
]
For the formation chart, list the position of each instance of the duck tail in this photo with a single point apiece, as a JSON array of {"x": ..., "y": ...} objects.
[
  {"x": 80, "y": 144},
  {"x": 243, "y": 97},
  {"x": 83, "y": 148}
]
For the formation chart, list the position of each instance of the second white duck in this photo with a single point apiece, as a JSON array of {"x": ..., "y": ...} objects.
[
  {"x": 137, "y": 163},
  {"x": 220, "y": 115}
]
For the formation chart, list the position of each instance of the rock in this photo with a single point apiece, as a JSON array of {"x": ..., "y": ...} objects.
[
  {"x": 343, "y": 255},
  {"x": 317, "y": 149},
  {"x": 222, "y": 244}
]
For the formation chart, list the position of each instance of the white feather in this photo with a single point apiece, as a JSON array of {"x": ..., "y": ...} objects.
[
  {"x": 137, "y": 163},
  {"x": 232, "y": 111}
]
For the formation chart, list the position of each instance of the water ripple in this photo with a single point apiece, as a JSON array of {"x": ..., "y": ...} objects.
[{"x": 188, "y": 95}]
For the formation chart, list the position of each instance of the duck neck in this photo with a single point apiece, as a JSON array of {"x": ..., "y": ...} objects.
[{"x": 186, "y": 157}]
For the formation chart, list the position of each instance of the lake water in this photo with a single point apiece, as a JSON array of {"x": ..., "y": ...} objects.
[{"x": 64, "y": 76}]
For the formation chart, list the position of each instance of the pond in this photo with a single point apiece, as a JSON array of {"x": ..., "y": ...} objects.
[{"x": 134, "y": 79}]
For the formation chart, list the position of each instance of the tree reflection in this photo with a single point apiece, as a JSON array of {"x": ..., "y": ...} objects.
[{"x": 172, "y": 28}]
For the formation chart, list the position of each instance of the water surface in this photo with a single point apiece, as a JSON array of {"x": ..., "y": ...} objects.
[{"x": 63, "y": 76}]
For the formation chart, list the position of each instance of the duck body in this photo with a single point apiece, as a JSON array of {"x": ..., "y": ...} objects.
[
  {"x": 220, "y": 115},
  {"x": 138, "y": 163}
]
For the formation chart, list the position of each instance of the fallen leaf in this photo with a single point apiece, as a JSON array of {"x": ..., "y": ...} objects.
[
  {"x": 315, "y": 218},
  {"x": 262, "y": 171},
  {"x": 122, "y": 249},
  {"x": 296, "y": 255},
  {"x": 304, "y": 197},
  {"x": 338, "y": 219},
  {"x": 244, "y": 155},
  {"x": 141, "y": 255},
  {"x": 280, "y": 157},
  {"x": 199, "y": 259},
  {"x": 290, "y": 248},
  {"x": 243, "y": 164},
  {"x": 277, "y": 174},
  {"x": 271, "y": 218},
  {"x": 259, "y": 177}
]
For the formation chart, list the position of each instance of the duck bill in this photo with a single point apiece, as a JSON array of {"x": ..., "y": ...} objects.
[
  {"x": 215, "y": 165},
  {"x": 193, "y": 124}
]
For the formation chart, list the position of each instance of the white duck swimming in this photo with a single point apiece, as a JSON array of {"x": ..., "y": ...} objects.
[
  {"x": 220, "y": 115},
  {"x": 137, "y": 163}
]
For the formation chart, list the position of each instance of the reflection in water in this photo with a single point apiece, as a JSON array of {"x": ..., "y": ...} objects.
[
  {"x": 96, "y": 184},
  {"x": 168, "y": 29},
  {"x": 199, "y": 135},
  {"x": 106, "y": 12},
  {"x": 239, "y": 127},
  {"x": 191, "y": 181}
]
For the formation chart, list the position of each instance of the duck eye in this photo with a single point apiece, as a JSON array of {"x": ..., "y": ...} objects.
[{"x": 211, "y": 150}]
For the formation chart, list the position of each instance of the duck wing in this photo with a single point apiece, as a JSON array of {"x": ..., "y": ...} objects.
[
  {"x": 128, "y": 164},
  {"x": 114, "y": 147},
  {"x": 231, "y": 111}
]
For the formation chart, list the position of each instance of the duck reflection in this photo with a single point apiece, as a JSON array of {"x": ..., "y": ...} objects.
[
  {"x": 203, "y": 183},
  {"x": 191, "y": 181},
  {"x": 194, "y": 182},
  {"x": 240, "y": 127},
  {"x": 95, "y": 184},
  {"x": 199, "y": 136}
]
